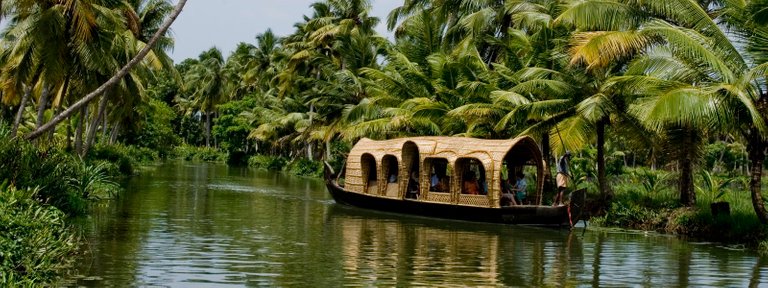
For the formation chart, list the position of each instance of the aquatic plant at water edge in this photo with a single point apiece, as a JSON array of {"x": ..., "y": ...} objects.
[{"x": 91, "y": 181}]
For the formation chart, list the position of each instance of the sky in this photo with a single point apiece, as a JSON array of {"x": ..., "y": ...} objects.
[{"x": 225, "y": 23}]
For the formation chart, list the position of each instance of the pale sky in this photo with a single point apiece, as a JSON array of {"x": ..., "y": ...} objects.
[{"x": 225, "y": 23}]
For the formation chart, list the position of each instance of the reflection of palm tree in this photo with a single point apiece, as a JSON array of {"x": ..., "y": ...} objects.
[
  {"x": 596, "y": 262},
  {"x": 684, "y": 265},
  {"x": 754, "y": 280}
]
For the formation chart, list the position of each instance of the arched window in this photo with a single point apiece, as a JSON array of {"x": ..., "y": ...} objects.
[
  {"x": 472, "y": 174},
  {"x": 439, "y": 175}
]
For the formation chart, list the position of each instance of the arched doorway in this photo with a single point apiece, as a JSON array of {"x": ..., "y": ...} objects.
[
  {"x": 524, "y": 160},
  {"x": 411, "y": 159},
  {"x": 368, "y": 165},
  {"x": 391, "y": 172}
]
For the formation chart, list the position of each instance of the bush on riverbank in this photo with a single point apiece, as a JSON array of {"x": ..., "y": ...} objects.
[
  {"x": 300, "y": 167},
  {"x": 64, "y": 181},
  {"x": 305, "y": 167},
  {"x": 36, "y": 245},
  {"x": 646, "y": 200},
  {"x": 125, "y": 157},
  {"x": 267, "y": 162},
  {"x": 194, "y": 153},
  {"x": 25, "y": 166}
]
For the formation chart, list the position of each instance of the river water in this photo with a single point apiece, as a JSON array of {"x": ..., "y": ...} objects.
[{"x": 208, "y": 225}]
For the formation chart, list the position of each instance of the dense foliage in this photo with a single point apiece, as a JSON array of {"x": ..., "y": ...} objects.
[{"x": 36, "y": 245}]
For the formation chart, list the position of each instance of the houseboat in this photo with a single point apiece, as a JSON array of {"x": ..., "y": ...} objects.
[{"x": 450, "y": 177}]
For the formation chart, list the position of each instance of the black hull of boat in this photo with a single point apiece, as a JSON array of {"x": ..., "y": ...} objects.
[{"x": 522, "y": 214}]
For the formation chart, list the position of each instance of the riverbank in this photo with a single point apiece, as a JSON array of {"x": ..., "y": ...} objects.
[
  {"x": 41, "y": 188},
  {"x": 646, "y": 200}
]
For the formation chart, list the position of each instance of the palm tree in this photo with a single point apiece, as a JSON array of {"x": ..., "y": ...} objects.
[
  {"x": 207, "y": 84},
  {"x": 339, "y": 37},
  {"x": 691, "y": 65}
]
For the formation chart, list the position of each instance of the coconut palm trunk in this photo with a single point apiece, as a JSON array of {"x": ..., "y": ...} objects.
[
  {"x": 69, "y": 135},
  {"x": 115, "y": 79},
  {"x": 546, "y": 153},
  {"x": 602, "y": 180},
  {"x": 57, "y": 111},
  {"x": 756, "y": 160},
  {"x": 207, "y": 129},
  {"x": 104, "y": 127},
  {"x": 20, "y": 113},
  {"x": 114, "y": 133},
  {"x": 64, "y": 95},
  {"x": 91, "y": 135},
  {"x": 41, "y": 105},
  {"x": 309, "y": 142},
  {"x": 79, "y": 131},
  {"x": 686, "y": 153}
]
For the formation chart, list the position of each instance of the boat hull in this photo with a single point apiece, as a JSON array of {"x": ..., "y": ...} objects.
[{"x": 520, "y": 214}]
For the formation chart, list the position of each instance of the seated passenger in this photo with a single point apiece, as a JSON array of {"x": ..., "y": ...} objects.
[
  {"x": 442, "y": 185},
  {"x": 433, "y": 181},
  {"x": 507, "y": 193},
  {"x": 470, "y": 184},
  {"x": 393, "y": 178},
  {"x": 412, "y": 190},
  {"x": 520, "y": 186}
]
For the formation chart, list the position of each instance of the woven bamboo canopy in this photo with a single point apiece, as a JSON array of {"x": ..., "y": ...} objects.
[{"x": 368, "y": 154}]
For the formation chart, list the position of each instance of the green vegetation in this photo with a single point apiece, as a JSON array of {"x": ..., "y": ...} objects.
[
  {"x": 42, "y": 186},
  {"x": 194, "y": 153},
  {"x": 36, "y": 245},
  {"x": 645, "y": 200},
  {"x": 300, "y": 166}
]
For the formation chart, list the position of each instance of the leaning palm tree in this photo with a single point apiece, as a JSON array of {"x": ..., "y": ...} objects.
[
  {"x": 114, "y": 79},
  {"x": 142, "y": 18}
]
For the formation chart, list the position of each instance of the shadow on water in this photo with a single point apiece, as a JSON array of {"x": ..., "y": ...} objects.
[{"x": 206, "y": 225}]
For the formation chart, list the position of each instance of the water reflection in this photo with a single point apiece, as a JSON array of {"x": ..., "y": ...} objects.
[
  {"x": 184, "y": 225},
  {"x": 409, "y": 250}
]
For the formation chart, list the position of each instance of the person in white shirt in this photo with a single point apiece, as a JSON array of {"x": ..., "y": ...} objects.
[{"x": 563, "y": 177}]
